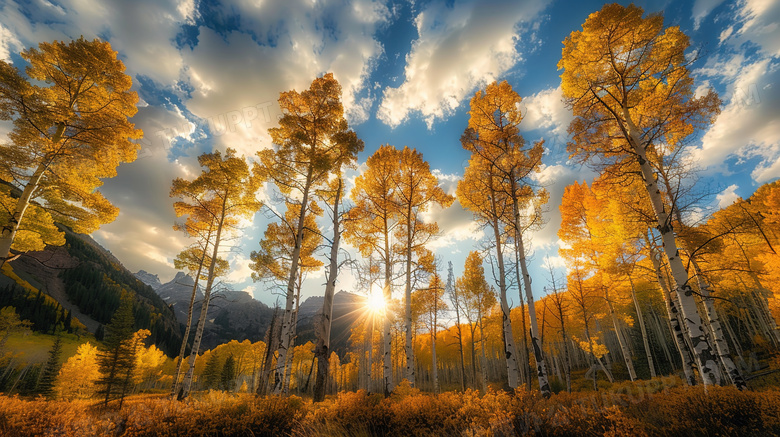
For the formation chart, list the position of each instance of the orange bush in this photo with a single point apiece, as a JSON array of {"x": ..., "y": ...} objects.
[{"x": 632, "y": 411}]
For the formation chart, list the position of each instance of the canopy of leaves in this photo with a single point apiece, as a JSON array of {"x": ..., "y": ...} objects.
[{"x": 70, "y": 116}]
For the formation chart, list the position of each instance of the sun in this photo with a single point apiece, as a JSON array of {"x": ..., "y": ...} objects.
[{"x": 375, "y": 303}]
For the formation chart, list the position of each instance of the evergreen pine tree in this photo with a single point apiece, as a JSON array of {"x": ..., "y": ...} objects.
[
  {"x": 212, "y": 373},
  {"x": 51, "y": 369},
  {"x": 229, "y": 374},
  {"x": 117, "y": 354},
  {"x": 67, "y": 323}
]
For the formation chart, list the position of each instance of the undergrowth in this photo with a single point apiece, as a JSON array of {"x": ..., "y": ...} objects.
[{"x": 656, "y": 410}]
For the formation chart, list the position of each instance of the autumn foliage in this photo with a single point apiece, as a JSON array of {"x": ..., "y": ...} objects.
[{"x": 658, "y": 410}]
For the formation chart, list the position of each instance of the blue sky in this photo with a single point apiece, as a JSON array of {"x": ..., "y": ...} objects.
[{"x": 209, "y": 73}]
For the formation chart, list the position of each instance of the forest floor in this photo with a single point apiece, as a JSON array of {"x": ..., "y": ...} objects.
[{"x": 656, "y": 408}]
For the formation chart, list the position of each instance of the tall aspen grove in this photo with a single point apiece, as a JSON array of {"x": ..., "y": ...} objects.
[{"x": 390, "y": 218}]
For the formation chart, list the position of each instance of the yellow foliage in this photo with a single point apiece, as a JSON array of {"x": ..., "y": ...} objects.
[
  {"x": 78, "y": 374},
  {"x": 656, "y": 410}
]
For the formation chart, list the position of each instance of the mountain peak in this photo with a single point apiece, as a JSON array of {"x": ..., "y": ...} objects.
[
  {"x": 148, "y": 279},
  {"x": 183, "y": 278}
]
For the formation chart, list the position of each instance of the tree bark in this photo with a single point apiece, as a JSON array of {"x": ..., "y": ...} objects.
[
  {"x": 641, "y": 320},
  {"x": 435, "y": 364},
  {"x": 187, "y": 383},
  {"x": 8, "y": 233},
  {"x": 322, "y": 349},
  {"x": 621, "y": 342},
  {"x": 409, "y": 345},
  {"x": 541, "y": 370},
  {"x": 285, "y": 338},
  {"x": 509, "y": 343},
  {"x": 387, "y": 369},
  {"x": 706, "y": 359},
  {"x": 183, "y": 349},
  {"x": 460, "y": 332},
  {"x": 721, "y": 346},
  {"x": 671, "y": 307}
]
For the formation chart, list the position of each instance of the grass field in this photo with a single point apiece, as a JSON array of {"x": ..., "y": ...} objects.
[{"x": 33, "y": 347}]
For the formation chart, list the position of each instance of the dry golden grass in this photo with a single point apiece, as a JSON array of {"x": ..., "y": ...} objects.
[{"x": 639, "y": 412}]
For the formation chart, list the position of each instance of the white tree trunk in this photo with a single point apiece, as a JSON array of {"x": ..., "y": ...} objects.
[
  {"x": 621, "y": 342},
  {"x": 409, "y": 344},
  {"x": 187, "y": 383},
  {"x": 183, "y": 349},
  {"x": 286, "y": 330},
  {"x": 706, "y": 359},
  {"x": 8, "y": 232},
  {"x": 387, "y": 363},
  {"x": 674, "y": 321},
  {"x": 717, "y": 332},
  {"x": 322, "y": 348},
  {"x": 541, "y": 370},
  {"x": 641, "y": 320},
  {"x": 509, "y": 343}
]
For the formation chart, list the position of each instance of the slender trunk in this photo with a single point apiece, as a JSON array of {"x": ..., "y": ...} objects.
[
  {"x": 623, "y": 348},
  {"x": 721, "y": 346},
  {"x": 270, "y": 348},
  {"x": 567, "y": 360},
  {"x": 510, "y": 350},
  {"x": 473, "y": 328},
  {"x": 187, "y": 383},
  {"x": 762, "y": 293},
  {"x": 8, "y": 232},
  {"x": 509, "y": 343},
  {"x": 706, "y": 359},
  {"x": 370, "y": 343},
  {"x": 734, "y": 338},
  {"x": 758, "y": 310},
  {"x": 284, "y": 343},
  {"x": 671, "y": 307},
  {"x": 460, "y": 338},
  {"x": 387, "y": 369},
  {"x": 541, "y": 371},
  {"x": 322, "y": 349},
  {"x": 659, "y": 333},
  {"x": 435, "y": 364},
  {"x": 525, "y": 365},
  {"x": 409, "y": 346},
  {"x": 641, "y": 320},
  {"x": 483, "y": 365},
  {"x": 183, "y": 349},
  {"x": 293, "y": 335}
]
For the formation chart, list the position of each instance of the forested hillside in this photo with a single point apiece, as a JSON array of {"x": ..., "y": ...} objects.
[{"x": 87, "y": 278}]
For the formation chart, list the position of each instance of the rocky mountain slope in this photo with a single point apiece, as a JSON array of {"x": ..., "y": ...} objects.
[
  {"x": 232, "y": 315},
  {"x": 86, "y": 279}
]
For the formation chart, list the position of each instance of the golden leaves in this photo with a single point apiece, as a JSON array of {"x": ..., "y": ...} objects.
[
  {"x": 71, "y": 128},
  {"x": 624, "y": 71}
]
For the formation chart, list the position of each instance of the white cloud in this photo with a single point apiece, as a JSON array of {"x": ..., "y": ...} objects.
[
  {"x": 701, "y": 9},
  {"x": 458, "y": 49},
  {"x": 747, "y": 126},
  {"x": 556, "y": 261},
  {"x": 758, "y": 21},
  {"x": 280, "y": 47},
  {"x": 727, "y": 196},
  {"x": 457, "y": 226},
  {"x": 239, "y": 268},
  {"x": 8, "y": 43},
  {"x": 142, "y": 31},
  {"x": 546, "y": 110}
]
